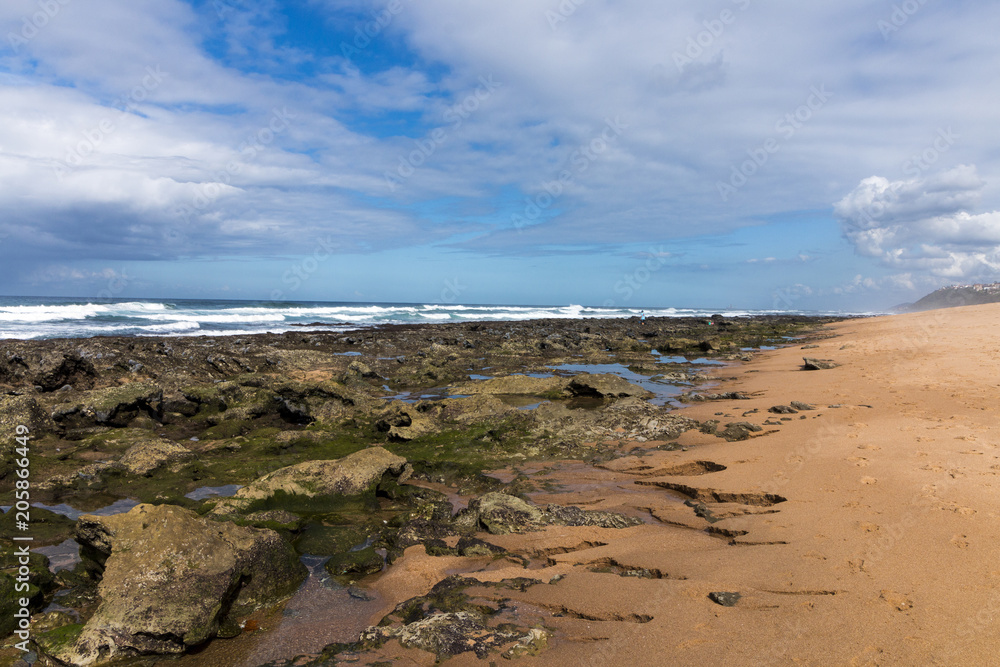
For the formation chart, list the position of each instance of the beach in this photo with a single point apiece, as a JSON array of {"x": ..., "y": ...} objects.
[
  {"x": 884, "y": 550},
  {"x": 843, "y": 516}
]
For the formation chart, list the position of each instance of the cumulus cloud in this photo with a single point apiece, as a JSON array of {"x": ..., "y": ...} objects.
[{"x": 924, "y": 224}]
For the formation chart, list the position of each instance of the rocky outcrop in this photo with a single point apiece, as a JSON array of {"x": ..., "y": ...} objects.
[
  {"x": 55, "y": 372},
  {"x": 500, "y": 514},
  {"x": 349, "y": 476},
  {"x": 115, "y": 407},
  {"x": 513, "y": 385},
  {"x": 605, "y": 385},
  {"x": 170, "y": 580}
]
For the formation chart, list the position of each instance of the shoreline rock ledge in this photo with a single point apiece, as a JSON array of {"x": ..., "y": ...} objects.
[{"x": 170, "y": 580}]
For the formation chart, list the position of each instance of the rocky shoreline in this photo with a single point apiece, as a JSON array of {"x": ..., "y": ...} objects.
[{"x": 348, "y": 447}]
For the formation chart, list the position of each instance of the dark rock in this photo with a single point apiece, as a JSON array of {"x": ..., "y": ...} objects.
[
  {"x": 53, "y": 372},
  {"x": 798, "y": 405},
  {"x": 782, "y": 410},
  {"x": 361, "y": 562},
  {"x": 725, "y": 599},
  {"x": 738, "y": 431},
  {"x": 811, "y": 364},
  {"x": 604, "y": 385}
]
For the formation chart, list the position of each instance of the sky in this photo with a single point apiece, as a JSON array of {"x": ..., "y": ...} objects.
[{"x": 629, "y": 153}]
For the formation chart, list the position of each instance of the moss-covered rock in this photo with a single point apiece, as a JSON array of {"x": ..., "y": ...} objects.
[
  {"x": 351, "y": 475},
  {"x": 361, "y": 562},
  {"x": 170, "y": 579}
]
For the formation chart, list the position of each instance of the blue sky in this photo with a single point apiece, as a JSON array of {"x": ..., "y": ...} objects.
[{"x": 627, "y": 152}]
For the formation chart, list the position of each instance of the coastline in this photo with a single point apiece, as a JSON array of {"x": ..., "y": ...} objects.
[
  {"x": 884, "y": 551},
  {"x": 836, "y": 527}
]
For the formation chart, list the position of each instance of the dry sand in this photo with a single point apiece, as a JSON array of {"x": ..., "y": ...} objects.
[{"x": 884, "y": 551}]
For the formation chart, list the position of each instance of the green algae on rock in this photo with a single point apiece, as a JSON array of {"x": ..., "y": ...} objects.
[
  {"x": 349, "y": 476},
  {"x": 170, "y": 579}
]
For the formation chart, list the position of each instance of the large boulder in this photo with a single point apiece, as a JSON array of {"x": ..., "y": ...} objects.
[
  {"x": 605, "y": 385},
  {"x": 171, "y": 579},
  {"x": 351, "y": 475}
]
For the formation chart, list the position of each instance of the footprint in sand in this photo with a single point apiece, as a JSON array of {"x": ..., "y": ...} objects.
[
  {"x": 960, "y": 541},
  {"x": 859, "y": 461},
  {"x": 869, "y": 480}
]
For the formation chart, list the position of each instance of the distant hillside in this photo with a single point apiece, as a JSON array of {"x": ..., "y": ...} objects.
[{"x": 956, "y": 295}]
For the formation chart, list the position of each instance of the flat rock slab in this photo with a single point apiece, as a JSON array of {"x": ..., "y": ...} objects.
[{"x": 348, "y": 476}]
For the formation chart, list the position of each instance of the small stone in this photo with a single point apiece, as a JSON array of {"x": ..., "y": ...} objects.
[
  {"x": 799, "y": 405},
  {"x": 725, "y": 599},
  {"x": 811, "y": 364}
]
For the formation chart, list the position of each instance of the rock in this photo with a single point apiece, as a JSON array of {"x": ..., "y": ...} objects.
[
  {"x": 725, "y": 599},
  {"x": 574, "y": 516},
  {"x": 116, "y": 406},
  {"x": 783, "y": 410},
  {"x": 47, "y": 527},
  {"x": 500, "y": 514},
  {"x": 738, "y": 431},
  {"x": 512, "y": 384},
  {"x": 799, "y": 405},
  {"x": 605, "y": 385},
  {"x": 146, "y": 456},
  {"x": 447, "y": 634},
  {"x": 726, "y": 396},
  {"x": 361, "y": 562},
  {"x": 170, "y": 579},
  {"x": 362, "y": 370},
  {"x": 811, "y": 364},
  {"x": 403, "y": 422},
  {"x": 69, "y": 368},
  {"x": 349, "y": 476}
]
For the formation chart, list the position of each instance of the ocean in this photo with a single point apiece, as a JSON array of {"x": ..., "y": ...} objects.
[{"x": 47, "y": 317}]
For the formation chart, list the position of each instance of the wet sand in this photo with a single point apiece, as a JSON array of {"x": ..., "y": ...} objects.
[{"x": 864, "y": 534}]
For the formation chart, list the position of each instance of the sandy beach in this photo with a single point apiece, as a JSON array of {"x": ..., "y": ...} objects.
[
  {"x": 860, "y": 534},
  {"x": 855, "y": 526}
]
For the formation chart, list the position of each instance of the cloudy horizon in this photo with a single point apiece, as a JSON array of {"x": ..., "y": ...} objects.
[{"x": 627, "y": 153}]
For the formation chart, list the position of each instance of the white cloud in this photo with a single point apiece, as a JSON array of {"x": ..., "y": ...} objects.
[{"x": 923, "y": 225}]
